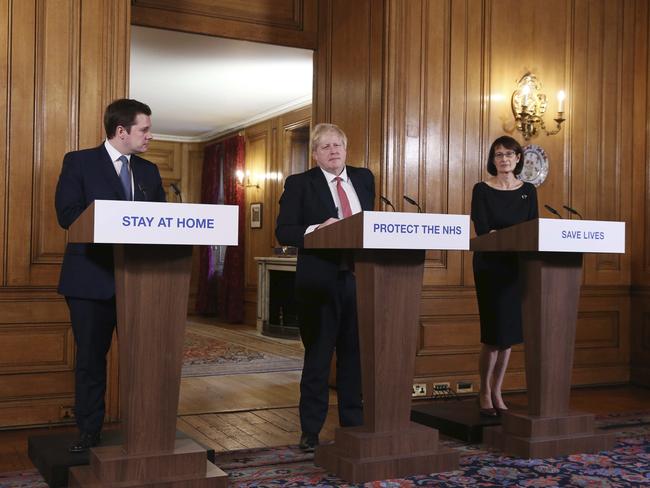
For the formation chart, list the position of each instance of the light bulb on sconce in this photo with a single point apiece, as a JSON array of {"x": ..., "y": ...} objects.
[
  {"x": 560, "y": 101},
  {"x": 529, "y": 105},
  {"x": 252, "y": 180},
  {"x": 525, "y": 91},
  {"x": 244, "y": 179}
]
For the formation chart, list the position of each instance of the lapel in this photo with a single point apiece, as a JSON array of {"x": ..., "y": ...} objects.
[
  {"x": 108, "y": 171},
  {"x": 319, "y": 185},
  {"x": 137, "y": 179},
  {"x": 360, "y": 188}
]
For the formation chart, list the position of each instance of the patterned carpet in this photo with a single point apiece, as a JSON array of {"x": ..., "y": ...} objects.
[
  {"x": 625, "y": 466},
  {"x": 210, "y": 351}
]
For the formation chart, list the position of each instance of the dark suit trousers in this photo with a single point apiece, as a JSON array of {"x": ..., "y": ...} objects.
[
  {"x": 93, "y": 322},
  {"x": 329, "y": 326}
]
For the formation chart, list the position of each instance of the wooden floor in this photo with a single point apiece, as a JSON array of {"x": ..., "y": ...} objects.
[
  {"x": 231, "y": 393},
  {"x": 257, "y": 410},
  {"x": 227, "y": 431},
  {"x": 244, "y": 430}
]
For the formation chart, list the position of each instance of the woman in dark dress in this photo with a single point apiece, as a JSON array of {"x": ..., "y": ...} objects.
[{"x": 498, "y": 202}]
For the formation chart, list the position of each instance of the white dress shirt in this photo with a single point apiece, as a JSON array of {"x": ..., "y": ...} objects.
[
  {"x": 355, "y": 204},
  {"x": 115, "y": 155}
]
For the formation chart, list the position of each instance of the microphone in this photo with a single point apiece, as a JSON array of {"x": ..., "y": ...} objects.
[
  {"x": 552, "y": 210},
  {"x": 143, "y": 190},
  {"x": 177, "y": 191},
  {"x": 573, "y": 211},
  {"x": 386, "y": 201},
  {"x": 413, "y": 202}
]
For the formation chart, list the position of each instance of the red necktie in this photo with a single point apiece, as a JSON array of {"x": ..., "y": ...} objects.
[{"x": 346, "y": 210}]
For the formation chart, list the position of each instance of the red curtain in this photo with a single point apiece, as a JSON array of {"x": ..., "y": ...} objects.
[
  {"x": 231, "y": 283},
  {"x": 210, "y": 182},
  {"x": 223, "y": 294}
]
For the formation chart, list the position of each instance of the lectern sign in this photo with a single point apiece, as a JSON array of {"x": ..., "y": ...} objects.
[
  {"x": 398, "y": 230},
  {"x": 124, "y": 222},
  {"x": 560, "y": 235},
  {"x": 152, "y": 282}
]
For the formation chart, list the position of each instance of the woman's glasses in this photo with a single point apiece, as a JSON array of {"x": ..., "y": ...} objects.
[{"x": 502, "y": 155}]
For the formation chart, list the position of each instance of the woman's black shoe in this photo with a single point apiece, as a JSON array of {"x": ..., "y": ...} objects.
[{"x": 486, "y": 412}]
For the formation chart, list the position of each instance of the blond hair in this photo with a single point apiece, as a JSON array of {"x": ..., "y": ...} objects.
[{"x": 321, "y": 129}]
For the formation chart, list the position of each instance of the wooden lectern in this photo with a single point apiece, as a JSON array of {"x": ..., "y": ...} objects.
[
  {"x": 389, "y": 285},
  {"x": 152, "y": 286},
  {"x": 551, "y": 275}
]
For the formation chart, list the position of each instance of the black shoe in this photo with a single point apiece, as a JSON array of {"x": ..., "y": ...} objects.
[
  {"x": 486, "y": 412},
  {"x": 86, "y": 441},
  {"x": 308, "y": 442}
]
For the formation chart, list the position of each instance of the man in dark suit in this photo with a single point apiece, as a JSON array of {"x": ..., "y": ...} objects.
[
  {"x": 325, "y": 284},
  {"x": 111, "y": 171}
]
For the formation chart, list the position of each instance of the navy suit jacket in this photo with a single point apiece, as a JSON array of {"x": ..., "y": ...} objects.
[
  {"x": 86, "y": 176},
  {"x": 307, "y": 200}
]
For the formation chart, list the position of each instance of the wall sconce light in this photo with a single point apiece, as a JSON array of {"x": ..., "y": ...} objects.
[
  {"x": 252, "y": 180},
  {"x": 529, "y": 106},
  {"x": 244, "y": 179}
]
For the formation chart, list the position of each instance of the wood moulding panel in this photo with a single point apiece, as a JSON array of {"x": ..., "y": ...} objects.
[
  {"x": 348, "y": 77},
  {"x": 449, "y": 340},
  {"x": 36, "y": 348},
  {"x": 283, "y": 22},
  {"x": 259, "y": 154},
  {"x": 600, "y": 375},
  {"x": 645, "y": 332},
  {"x": 640, "y": 360},
  {"x": 33, "y": 386},
  {"x": 600, "y": 142},
  {"x": 449, "y": 335},
  {"x": 57, "y": 93},
  {"x": 168, "y": 157},
  {"x": 20, "y": 149},
  {"x": 42, "y": 411},
  {"x": 597, "y": 329},
  {"x": 32, "y": 307},
  {"x": 461, "y": 363}
]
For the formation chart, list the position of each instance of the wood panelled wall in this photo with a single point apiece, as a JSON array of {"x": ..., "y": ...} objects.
[
  {"x": 444, "y": 71},
  {"x": 284, "y": 22},
  {"x": 61, "y": 63},
  {"x": 640, "y": 191},
  {"x": 421, "y": 87}
]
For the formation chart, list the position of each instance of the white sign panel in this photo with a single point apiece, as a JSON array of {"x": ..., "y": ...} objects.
[
  {"x": 397, "y": 230},
  {"x": 124, "y": 222},
  {"x": 581, "y": 236}
]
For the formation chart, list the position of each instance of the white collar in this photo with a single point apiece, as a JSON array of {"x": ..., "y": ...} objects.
[
  {"x": 330, "y": 176},
  {"x": 114, "y": 153}
]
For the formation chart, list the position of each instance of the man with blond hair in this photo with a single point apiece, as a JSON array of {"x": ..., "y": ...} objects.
[{"x": 325, "y": 283}]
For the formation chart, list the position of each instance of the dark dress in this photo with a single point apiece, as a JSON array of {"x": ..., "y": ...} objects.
[{"x": 496, "y": 273}]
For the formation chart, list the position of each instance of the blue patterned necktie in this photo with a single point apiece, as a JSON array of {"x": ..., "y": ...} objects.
[{"x": 125, "y": 177}]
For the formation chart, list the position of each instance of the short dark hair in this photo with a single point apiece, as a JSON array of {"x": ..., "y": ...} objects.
[
  {"x": 508, "y": 143},
  {"x": 123, "y": 112}
]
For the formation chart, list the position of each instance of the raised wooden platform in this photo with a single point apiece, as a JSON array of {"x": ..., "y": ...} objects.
[
  {"x": 459, "y": 419},
  {"x": 359, "y": 455},
  {"x": 183, "y": 467},
  {"x": 49, "y": 453},
  {"x": 527, "y": 436}
]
